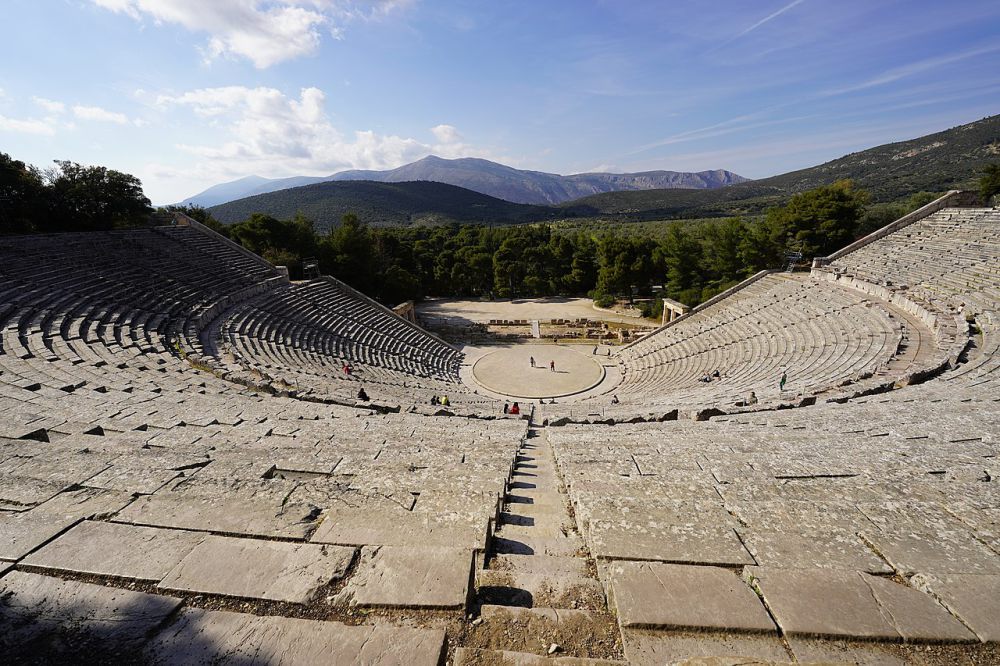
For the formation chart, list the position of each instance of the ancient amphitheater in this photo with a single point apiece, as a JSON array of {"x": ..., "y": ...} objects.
[{"x": 187, "y": 474}]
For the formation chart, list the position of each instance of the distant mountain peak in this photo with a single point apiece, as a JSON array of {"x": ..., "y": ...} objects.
[{"x": 483, "y": 176}]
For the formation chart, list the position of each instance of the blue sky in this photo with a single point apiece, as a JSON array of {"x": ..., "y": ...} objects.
[{"x": 189, "y": 93}]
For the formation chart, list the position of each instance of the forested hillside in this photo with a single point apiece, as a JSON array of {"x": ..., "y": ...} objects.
[
  {"x": 891, "y": 172},
  {"x": 383, "y": 205}
]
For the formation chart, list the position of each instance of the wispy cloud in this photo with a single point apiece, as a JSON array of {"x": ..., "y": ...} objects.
[
  {"x": 766, "y": 19},
  {"x": 49, "y": 105},
  {"x": 897, "y": 73},
  {"x": 731, "y": 126},
  {"x": 97, "y": 114},
  {"x": 26, "y": 126}
]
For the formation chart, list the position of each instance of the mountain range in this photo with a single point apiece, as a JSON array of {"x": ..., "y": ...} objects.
[
  {"x": 950, "y": 159},
  {"x": 891, "y": 172},
  {"x": 483, "y": 176}
]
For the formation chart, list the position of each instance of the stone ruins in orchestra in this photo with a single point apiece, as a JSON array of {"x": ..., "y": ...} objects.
[{"x": 188, "y": 474}]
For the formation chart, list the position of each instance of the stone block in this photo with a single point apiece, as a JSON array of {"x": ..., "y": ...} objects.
[
  {"x": 830, "y": 549},
  {"x": 259, "y": 569},
  {"x": 116, "y": 549},
  {"x": 644, "y": 647},
  {"x": 956, "y": 552},
  {"x": 474, "y": 657},
  {"x": 850, "y": 604},
  {"x": 87, "y": 502},
  {"x": 414, "y": 577},
  {"x": 252, "y": 508},
  {"x": 974, "y": 598},
  {"x": 202, "y": 636},
  {"x": 676, "y": 596},
  {"x": 684, "y": 544},
  {"x": 21, "y": 533}
]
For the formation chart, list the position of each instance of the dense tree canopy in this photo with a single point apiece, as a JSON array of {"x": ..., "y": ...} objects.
[
  {"x": 692, "y": 260},
  {"x": 819, "y": 221},
  {"x": 989, "y": 184},
  {"x": 68, "y": 197},
  {"x": 22, "y": 196}
]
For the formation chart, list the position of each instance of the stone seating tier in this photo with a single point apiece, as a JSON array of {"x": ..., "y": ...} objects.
[{"x": 822, "y": 335}]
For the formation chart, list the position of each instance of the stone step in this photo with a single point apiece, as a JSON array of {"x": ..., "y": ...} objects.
[
  {"x": 528, "y": 515},
  {"x": 510, "y": 588},
  {"x": 519, "y": 497},
  {"x": 474, "y": 657},
  {"x": 547, "y": 478},
  {"x": 539, "y": 509},
  {"x": 578, "y": 633},
  {"x": 553, "y": 565},
  {"x": 519, "y": 540},
  {"x": 548, "y": 530},
  {"x": 524, "y": 544},
  {"x": 535, "y": 467}
]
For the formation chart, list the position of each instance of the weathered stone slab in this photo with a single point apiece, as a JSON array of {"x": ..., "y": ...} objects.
[
  {"x": 872, "y": 653},
  {"x": 18, "y": 493},
  {"x": 87, "y": 503},
  {"x": 915, "y": 615},
  {"x": 984, "y": 522},
  {"x": 822, "y": 603},
  {"x": 653, "y": 648},
  {"x": 947, "y": 553},
  {"x": 258, "y": 569},
  {"x": 116, "y": 549},
  {"x": 362, "y": 521},
  {"x": 251, "y": 507},
  {"x": 851, "y": 604},
  {"x": 972, "y": 597},
  {"x": 677, "y": 596},
  {"x": 48, "y": 620},
  {"x": 201, "y": 636},
  {"x": 415, "y": 577},
  {"x": 43, "y": 476},
  {"x": 683, "y": 544},
  {"x": 474, "y": 657},
  {"x": 135, "y": 478},
  {"x": 793, "y": 549},
  {"x": 824, "y": 651},
  {"x": 21, "y": 533}
]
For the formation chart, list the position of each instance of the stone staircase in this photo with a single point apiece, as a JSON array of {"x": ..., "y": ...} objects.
[{"x": 538, "y": 596}]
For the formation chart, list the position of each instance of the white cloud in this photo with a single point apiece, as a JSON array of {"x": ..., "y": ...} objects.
[
  {"x": 28, "y": 126},
  {"x": 265, "y": 33},
  {"x": 271, "y": 134},
  {"x": 446, "y": 134},
  {"x": 98, "y": 114},
  {"x": 49, "y": 105}
]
